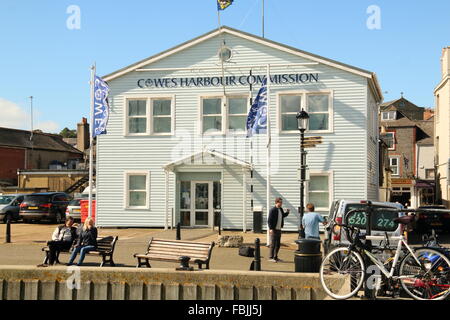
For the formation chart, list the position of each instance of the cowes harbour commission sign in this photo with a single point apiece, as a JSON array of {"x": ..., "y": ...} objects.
[{"x": 295, "y": 78}]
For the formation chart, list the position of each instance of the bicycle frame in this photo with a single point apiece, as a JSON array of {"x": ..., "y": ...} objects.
[{"x": 380, "y": 265}]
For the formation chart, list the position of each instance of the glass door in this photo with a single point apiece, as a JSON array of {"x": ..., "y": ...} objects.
[
  {"x": 203, "y": 206},
  {"x": 185, "y": 203},
  {"x": 198, "y": 202}
]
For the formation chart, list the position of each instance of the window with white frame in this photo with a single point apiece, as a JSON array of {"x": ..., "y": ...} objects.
[
  {"x": 290, "y": 105},
  {"x": 137, "y": 116},
  {"x": 390, "y": 115},
  {"x": 217, "y": 118},
  {"x": 319, "y": 191},
  {"x": 318, "y": 106},
  {"x": 390, "y": 140},
  {"x": 394, "y": 163},
  {"x": 237, "y": 114},
  {"x": 137, "y": 190},
  {"x": 212, "y": 115},
  {"x": 162, "y": 115},
  {"x": 149, "y": 116}
]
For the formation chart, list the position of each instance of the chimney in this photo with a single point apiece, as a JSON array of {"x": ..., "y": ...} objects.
[
  {"x": 445, "y": 62},
  {"x": 428, "y": 114},
  {"x": 83, "y": 135}
]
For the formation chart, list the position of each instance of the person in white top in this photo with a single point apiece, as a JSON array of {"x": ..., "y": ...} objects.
[{"x": 62, "y": 239}]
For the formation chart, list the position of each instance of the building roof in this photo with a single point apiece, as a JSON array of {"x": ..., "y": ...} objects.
[
  {"x": 427, "y": 126},
  {"x": 406, "y": 107},
  {"x": 402, "y": 122},
  {"x": 206, "y": 155},
  {"x": 43, "y": 141},
  {"x": 224, "y": 29}
]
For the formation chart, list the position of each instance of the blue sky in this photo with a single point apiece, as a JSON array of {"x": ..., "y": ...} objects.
[{"x": 41, "y": 57}]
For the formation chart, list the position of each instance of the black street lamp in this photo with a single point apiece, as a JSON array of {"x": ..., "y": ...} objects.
[{"x": 302, "y": 119}]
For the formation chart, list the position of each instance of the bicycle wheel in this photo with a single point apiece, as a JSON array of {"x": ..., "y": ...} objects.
[
  {"x": 429, "y": 280},
  {"x": 342, "y": 273}
]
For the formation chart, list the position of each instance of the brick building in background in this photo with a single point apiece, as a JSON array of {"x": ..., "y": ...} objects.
[
  {"x": 22, "y": 150},
  {"x": 409, "y": 130}
]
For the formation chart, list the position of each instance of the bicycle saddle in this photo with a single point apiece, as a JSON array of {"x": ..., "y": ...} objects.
[{"x": 404, "y": 220}]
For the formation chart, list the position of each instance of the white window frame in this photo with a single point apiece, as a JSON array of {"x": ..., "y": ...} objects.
[
  {"x": 394, "y": 145},
  {"x": 127, "y": 189},
  {"x": 397, "y": 166},
  {"x": 388, "y": 113},
  {"x": 225, "y": 115},
  {"x": 149, "y": 114},
  {"x": 330, "y": 175},
  {"x": 304, "y": 101},
  {"x": 127, "y": 117},
  {"x": 228, "y": 115}
]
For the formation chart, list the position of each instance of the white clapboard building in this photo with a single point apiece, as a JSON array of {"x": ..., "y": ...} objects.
[{"x": 176, "y": 147}]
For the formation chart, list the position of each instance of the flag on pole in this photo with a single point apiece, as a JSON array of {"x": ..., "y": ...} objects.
[
  {"x": 257, "y": 116},
  {"x": 101, "y": 107},
  {"x": 223, "y": 4}
]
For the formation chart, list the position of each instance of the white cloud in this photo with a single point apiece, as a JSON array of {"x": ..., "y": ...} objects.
[
  {"x": 14, "y": 116},
  {"x": 48, "y": 126}
]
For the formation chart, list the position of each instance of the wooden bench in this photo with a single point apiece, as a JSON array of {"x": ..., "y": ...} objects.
[
  {"x": 172, "y": 250},
  {"x": 105, "y": 249}
]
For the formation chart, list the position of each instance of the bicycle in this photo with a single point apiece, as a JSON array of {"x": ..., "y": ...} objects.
[{"x": 423, "y": 273}]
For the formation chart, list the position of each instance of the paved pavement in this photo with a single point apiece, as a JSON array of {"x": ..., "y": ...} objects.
[{"x": 28, "y": 239}]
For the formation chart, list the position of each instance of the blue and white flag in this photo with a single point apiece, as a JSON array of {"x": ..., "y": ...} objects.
[
  {"x": 257, "y": 117},
  {"x": 101, "y": 106}
]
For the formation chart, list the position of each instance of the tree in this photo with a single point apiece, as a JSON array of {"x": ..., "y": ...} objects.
[{"x": 67, "y": 133}]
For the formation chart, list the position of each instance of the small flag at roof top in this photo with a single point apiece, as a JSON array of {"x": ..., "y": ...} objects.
[
  {"x": 101, "y": 106},
  {"x": 257, "y": 116},
  {"x": 223, "y": 4}
]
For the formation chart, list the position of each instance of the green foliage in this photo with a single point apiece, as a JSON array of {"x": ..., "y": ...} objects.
[{"x": 67, "y": 133}]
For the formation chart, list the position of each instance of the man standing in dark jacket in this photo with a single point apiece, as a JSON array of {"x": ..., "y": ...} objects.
[{"x": 276, "y": 223}]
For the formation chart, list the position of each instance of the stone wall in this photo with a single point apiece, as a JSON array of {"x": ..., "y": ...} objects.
[{"x": 31, "y": 283}]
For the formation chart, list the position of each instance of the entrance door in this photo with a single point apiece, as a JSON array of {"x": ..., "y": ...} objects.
[
  {"x": 197, "y": 203},
  {"x": 202, "y": 204}
]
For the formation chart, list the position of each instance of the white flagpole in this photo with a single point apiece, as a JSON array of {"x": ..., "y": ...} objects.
[
  {"x": 268, "y": 149},
  {"x": 91, "y": 141}
]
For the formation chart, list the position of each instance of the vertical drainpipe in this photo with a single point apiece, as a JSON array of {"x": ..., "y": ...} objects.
[
  {"x": 244, "y": 199},
  {"x": 166, "y": 225}
]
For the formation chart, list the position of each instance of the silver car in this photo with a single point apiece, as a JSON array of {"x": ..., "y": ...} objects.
[
  {"x": 9, "y": 207},
  {"x": 74, "y": 209}
]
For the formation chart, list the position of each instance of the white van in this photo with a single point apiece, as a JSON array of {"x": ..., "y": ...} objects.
[{"x": 382, "y": 221}]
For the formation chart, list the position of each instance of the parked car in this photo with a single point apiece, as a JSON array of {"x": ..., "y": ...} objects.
[
  {"x": 44, "y": 206},
  {"x": 74, "y": 209},
  {"x": 382, "y": 221},
  {"x": 432, "y": 219},
  {"x": 9, "y": 207}
]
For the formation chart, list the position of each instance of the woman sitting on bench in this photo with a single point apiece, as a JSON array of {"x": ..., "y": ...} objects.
[{"x": 87, "y": 241}]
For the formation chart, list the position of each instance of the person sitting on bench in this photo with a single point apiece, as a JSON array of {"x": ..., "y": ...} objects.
[
  {"x": 62, "y": 239},
  {"x": 87, "y": 241}
]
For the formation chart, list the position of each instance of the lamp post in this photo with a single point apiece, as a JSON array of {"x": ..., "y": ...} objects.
[{"x": 302, "y": 119}]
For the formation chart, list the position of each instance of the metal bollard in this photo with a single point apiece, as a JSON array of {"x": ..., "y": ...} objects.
[
  {"x": 257, "y": 265},
  {"x": 8, "y": 230},
  {"x": 178, "y": 231}
]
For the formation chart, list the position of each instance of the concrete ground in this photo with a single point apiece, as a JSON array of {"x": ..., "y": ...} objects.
[{"x": 28, "y": 239}]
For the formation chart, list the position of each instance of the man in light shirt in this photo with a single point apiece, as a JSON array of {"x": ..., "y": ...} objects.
[
  {"x": 276, "y": 223},
  {"x": 311, "y": 222}
]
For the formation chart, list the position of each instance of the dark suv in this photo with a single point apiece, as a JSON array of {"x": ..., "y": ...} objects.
[{"x": 44, "y": 206}]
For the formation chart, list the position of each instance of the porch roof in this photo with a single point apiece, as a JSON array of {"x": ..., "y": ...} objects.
[{"x": 191, "y": 159}]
